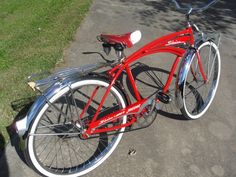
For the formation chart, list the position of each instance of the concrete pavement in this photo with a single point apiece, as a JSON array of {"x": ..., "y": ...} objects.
[{"x": 171, "y": 147}]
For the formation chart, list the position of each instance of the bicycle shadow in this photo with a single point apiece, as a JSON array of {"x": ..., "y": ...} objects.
[{"x": 4, "y": 169}]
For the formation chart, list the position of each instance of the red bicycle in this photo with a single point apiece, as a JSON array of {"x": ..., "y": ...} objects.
[{"x": 81, "y": 115}]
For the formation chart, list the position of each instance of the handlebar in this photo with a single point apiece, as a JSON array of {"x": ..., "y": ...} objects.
[{"x": 190, "y": 9}]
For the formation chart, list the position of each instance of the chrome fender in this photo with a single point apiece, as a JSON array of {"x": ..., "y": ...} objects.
[
  {"x": 23, "y": 125},
  {"x": 182, "y": 74},
  {"x": 49, "y": 87}
]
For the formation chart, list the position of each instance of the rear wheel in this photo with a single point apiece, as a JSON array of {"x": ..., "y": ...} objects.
[
  {"x": 55, "y": 146},
  {"x": 198, "y": 94}
]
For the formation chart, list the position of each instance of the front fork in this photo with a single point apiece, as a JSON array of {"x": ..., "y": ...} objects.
[{"x": 203, "y": 74}]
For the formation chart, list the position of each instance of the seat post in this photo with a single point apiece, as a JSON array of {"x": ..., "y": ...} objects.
[{"x": 119, "y": 51}]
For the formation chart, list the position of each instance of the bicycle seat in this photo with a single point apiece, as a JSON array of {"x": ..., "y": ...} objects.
[{"x": 128, "y": 39}]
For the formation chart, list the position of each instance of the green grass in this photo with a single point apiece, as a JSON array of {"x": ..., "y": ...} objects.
[{"x": 33, "y": 35}]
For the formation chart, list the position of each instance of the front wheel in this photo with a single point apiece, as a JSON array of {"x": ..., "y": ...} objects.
[
  {"x": 54, "y": 144},
  {"x": 198, "y": 90}
]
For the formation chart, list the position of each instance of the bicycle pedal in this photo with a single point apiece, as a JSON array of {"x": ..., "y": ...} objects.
[{"x": 163, "y": 97}]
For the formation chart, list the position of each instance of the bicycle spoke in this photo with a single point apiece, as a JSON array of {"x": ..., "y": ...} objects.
[
  {"x": 96, "y": 102},
  {"x": 43, "y": 148},
  {"x": 195, "y": 89},
  {"x": 209, "y": 58},
  {"x": 53, "y": 125},
  {"x": 55, "y": 156},
  {"x": 212, "y": 67},
  {"x": 69, "y": 106},
  {"x": 48, "y": 153}
]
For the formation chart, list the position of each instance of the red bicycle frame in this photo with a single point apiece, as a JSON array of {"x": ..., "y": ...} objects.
[{"x": 166, "y": 44}]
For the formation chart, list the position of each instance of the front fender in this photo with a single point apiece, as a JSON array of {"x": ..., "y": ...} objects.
[{"x": 182, "y": 74}]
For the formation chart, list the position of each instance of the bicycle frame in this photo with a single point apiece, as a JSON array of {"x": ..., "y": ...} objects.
[{"x": 167, "y": 44}]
